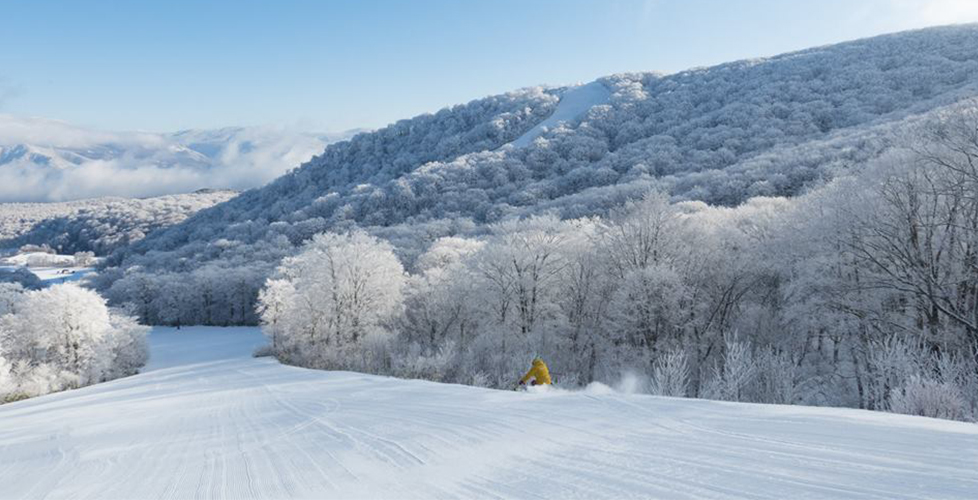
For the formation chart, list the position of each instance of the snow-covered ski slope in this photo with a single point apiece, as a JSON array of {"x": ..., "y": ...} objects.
[
  {"x": 208, "y": 421},
  {"x": 574, "y": 103}
]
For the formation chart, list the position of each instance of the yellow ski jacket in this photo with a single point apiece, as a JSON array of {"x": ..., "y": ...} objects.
[{"x": 538, "y": 372}]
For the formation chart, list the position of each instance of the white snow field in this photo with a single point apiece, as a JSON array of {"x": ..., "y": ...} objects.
[
  {"x": 574, "y": 103},
  {"x": 206, "y": 420},
  {"x": 57, "y": 275}
]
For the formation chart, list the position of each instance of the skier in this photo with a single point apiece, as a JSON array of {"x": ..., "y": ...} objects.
[{"x": 538, "y": 374}]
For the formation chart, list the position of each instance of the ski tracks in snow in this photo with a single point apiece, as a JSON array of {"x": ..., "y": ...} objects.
[{"x": 230, "y": 426}]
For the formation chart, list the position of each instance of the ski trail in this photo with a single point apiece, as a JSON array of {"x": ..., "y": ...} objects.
[
  {"x": 220, "y": 424},
  {"x": 573, "y": 103}
]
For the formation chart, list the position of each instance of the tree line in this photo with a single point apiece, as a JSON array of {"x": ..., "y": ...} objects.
[
  {"x": 63, "y": 337},
  {"x": 861, "y": 294}
]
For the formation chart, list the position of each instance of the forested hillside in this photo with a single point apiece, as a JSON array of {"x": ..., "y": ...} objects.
[
  {"x": 721, "y": 135},
  {"x": 99, "y": 225}
]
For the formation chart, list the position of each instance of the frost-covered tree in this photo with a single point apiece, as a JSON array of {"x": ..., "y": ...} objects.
[
  {"x": 72, "y": 324},
  {"x": 645, "y": 309},
  {"x": 670, "y": 374},
  {"x": 126, "y": 346},
  {"x": 11, "y": 294},
  {"x": 7, "y": 383},
  {"x": 440, "y": 298},
  {"x": 733, "y": 373},
  {"x": 521, "y": 265},
  {"x": 329, "y": 304},
  {"x": 587, "y": 286},
  {"x": 20, "y": 276},
  {"x": 64, "y": 337},
  {"x": 643, "y": 234}
]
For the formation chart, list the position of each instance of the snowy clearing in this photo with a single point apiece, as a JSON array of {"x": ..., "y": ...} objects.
[
  {"x": 575, "y": 102},
  {"x": 51, "y": 269},
  {"x": 208, "y": 421},
  {"x": 55, "y": 275}
]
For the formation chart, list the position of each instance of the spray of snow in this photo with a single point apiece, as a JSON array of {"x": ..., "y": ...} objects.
[
  {"x": 598, "y": 389},
  {"x": 632, "y": 383}
]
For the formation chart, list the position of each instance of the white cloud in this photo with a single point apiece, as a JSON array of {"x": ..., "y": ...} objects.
[
  {"x": 50, "y": 160},
  {"x": 949, "y": 11},
  {"x": 936, "y": 12}
]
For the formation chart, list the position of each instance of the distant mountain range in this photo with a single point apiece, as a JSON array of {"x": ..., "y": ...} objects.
[{"x": 50, "y": 160}]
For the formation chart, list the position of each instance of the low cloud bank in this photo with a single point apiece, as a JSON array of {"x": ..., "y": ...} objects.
[{"x": 49, "y": 160}]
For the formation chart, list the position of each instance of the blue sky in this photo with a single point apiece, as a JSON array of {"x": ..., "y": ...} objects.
[{"x": 335, "y": 65}]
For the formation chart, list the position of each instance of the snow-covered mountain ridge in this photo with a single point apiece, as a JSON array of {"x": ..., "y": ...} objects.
[{"x": 764, "y": 127}]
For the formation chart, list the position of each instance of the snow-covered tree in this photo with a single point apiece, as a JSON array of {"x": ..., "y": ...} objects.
[
  {"x": 733, "y": 373},
  {"x": 20, "y": 276},
  {"x": 520, "y": 266},
  {"x": 11, "y": 294},
  {"x": 328, "y": 304},
  {"x": 64, "y": 337},
  {"x": 670, "y": 374}
]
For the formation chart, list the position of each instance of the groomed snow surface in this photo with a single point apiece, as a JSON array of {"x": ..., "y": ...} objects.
[
  {"x": 206, "y": 420},
  {"x": 57, "y": 275},
  {"x": 574, "y": 103}
]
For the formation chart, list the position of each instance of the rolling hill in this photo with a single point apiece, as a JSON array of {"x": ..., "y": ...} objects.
[
  {"x": 779, "y": 126},
  {"x": 98, "y": 225}
]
